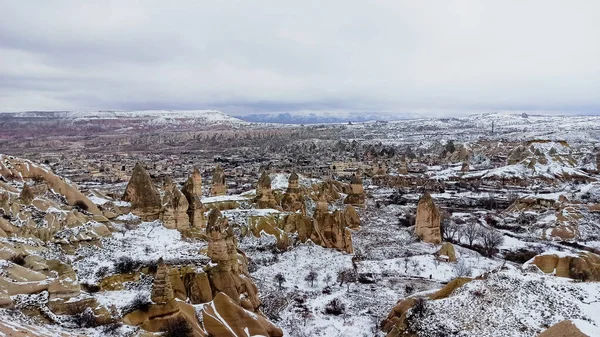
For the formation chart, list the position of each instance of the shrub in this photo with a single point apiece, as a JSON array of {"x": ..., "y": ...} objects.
[
  {"x": 112, "y": 329},
  {"x": 335, "y": 307},
  {"x": 126, "y": 265},
  {"x": 86, "y": 319},
  {"x": 90, "y": 288},
  {"x": 81, "y": 205},
  {"x": 140, "y": 302},
  {"x": 18, "y": 259},
  {"x": 178, "y": 327},
  {"x": 102, "y": 272},
  {"x": 420, "y": 307}
]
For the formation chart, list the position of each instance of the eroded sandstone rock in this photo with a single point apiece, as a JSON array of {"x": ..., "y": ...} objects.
[
  {"x": 292, "y": 200},
  {"x": 192, "y": 189},
  {"x": 218, "y": 182},
  {"x": 264, "y": 193},
  {"x": 174, "y": 212},
  {"x": 143, "y": 195},
  {"x": 427, "y": 222},
  {"x": 356, "y": 196}
]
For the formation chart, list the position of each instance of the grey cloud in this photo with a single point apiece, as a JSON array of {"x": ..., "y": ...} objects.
[{"x": 312, "y": 55}]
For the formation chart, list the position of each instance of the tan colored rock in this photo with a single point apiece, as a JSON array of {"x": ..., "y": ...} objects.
[
  {"x": 162, "y": 292},
  {"x": 333, "y": 228},
  {"x": 174, "y": 207},
  {"x": 292, "y": 200},
  {"x": 427, "y": 222},
  {"x": 225, "y": 318},
  {"x": 465, "y": 167},
  {"x": 264, "y": 194},
  {"x": 395, "y": 323},
  {"x": 229, "y": 271},
  {"x": 143, "y": 195},
  {"x": 26, "y": 195},
  {"x": 351, "y": 218},
  {"x": 192, "y": 189},
  {"x": 356, "y": 197},
  {"x": 24, "y": 169},
  {"x": 584, "y": 266},
  {"x": 403, "y": 167},
  {"x": 447, "y": 250},
  {"x": 564, "y": 328},
  {"x": 197, "y": 285},
  {"x": 218, "y": 182}
]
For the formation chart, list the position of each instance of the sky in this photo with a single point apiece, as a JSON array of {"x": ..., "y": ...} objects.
[{"x": 438, "y": 57}]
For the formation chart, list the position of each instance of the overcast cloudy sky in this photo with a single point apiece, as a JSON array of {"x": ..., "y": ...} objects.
[{"x": 257, "y": 56}]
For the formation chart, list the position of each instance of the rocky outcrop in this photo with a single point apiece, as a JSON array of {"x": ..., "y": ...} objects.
[
  {"x": 332, "y": 228},
  {"x": 564, "y": 328},
  {"x": 264, "y": 194},
  {"x": 292, "y": 200},
  {"x": 229, "y": 267},
  {"x": 356, "y": 196},
  {"x": 218, "y": 182},
  {"x": 427, "y": 222},
  {"x": 143, "y": 195},
  {"x": 403, "y": 169},
  {"x": 162, "y": 292},
  {"x": 395, "y": 324},
  {"x": 192, "y": 189},
  {"x": 224, "y": 318},
  {"x": 174, "y": 207},
  {"x": 584, "y": 266},
  {"x": 15, "y": 168},
  {"x": 465, "y": 167}
]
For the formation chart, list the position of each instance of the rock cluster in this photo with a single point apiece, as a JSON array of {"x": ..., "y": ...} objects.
[
  {"x": 174, "y": 212},
  {"x": 584, "y": 266},
  {"x": 264, "y": 194},
  {"x": 326, "y": 229},
  {"x": 218, "y": 182},
  {"x": 427, "y": 222},
  {"x": 356, "y": 196},
  {"x": 292, "y": 200},
  {"x": 230, "y": 267},
  {"x": 143, "y": 195}
]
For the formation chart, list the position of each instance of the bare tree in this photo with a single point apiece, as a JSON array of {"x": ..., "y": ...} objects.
[
  {"x": 280, "y": 279},
  {"x": 491, "y": 239},
  {"x": 471, "y": 231},
  {"x": 462, "y": 269},
  {"x": 327, "y": 279},
  {"x": 311, "y": 277},
  {"x": 449, "y": 229}
]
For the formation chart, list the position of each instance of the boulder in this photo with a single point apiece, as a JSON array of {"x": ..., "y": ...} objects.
[
  {"x": 447, "y": 250},
  {"x": 143, "y": 195},
  {"x": 218, "y": 182},
  {"x": 427, "y": 222}
]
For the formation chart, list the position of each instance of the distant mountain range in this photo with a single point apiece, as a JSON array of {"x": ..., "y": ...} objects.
[{"x": 319, "y": 117}]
